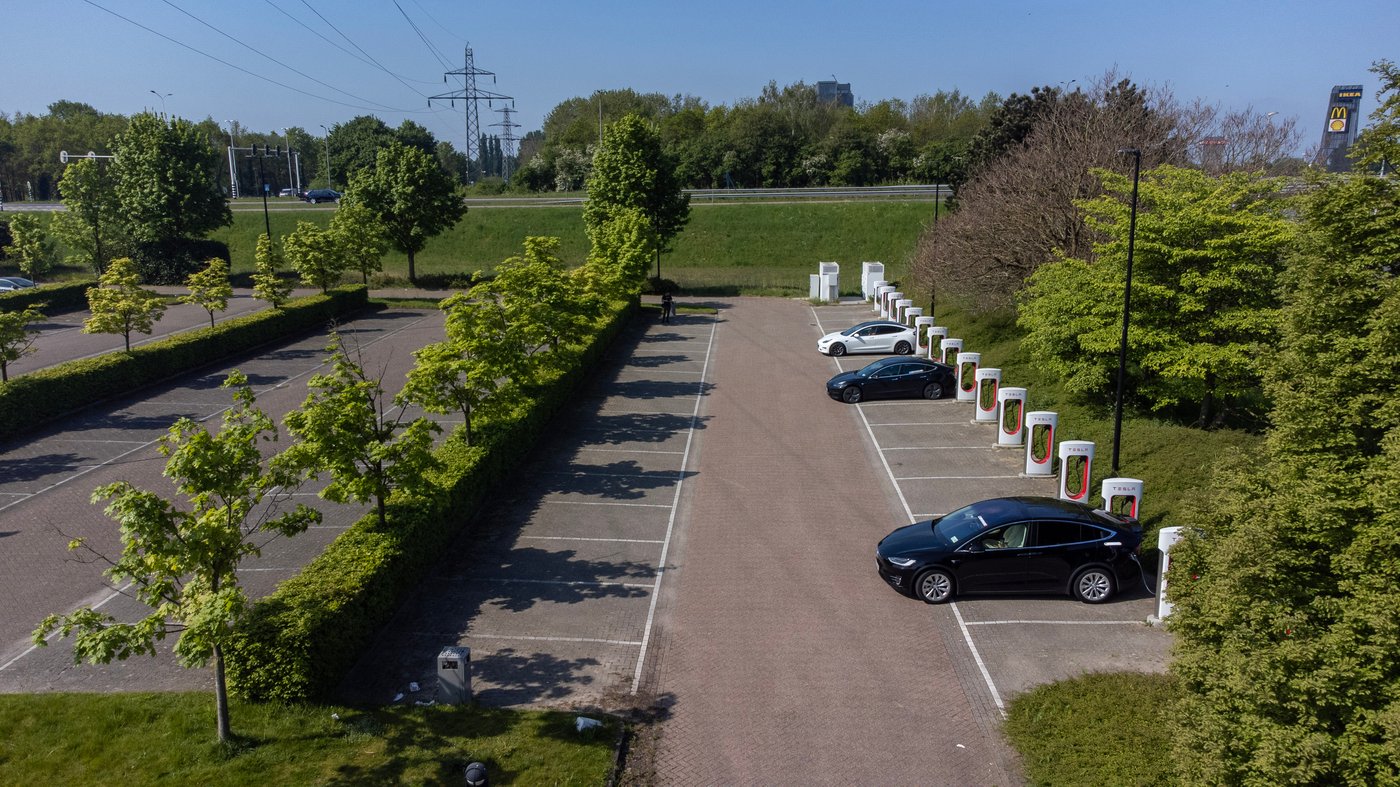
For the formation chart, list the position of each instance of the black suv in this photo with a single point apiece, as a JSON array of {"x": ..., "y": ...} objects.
[{"x": 322, "y": 195}]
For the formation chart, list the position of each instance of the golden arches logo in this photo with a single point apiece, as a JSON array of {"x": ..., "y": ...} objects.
[{"x": 1339, "y": 113}]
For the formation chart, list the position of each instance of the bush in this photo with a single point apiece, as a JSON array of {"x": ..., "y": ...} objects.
[
  {"x": 171, "y": 262},
  {"x": 50, "y": 299},
  {"x": 33, "y": 399},
  {"x": 298, "y": 643}
]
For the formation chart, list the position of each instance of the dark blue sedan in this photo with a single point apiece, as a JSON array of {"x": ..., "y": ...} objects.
[{"x": 893, "y": 378}]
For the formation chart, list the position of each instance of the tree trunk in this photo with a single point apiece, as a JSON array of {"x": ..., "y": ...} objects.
[
  {"x": 221, "y": 697},
  {"x": 658, "y": 265},
  {"x": 1208, "y": 401},
  {"x": 412, "y": 274}
]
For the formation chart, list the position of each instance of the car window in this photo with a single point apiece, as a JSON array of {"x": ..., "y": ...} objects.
[
  {"x": 966, "y": 522},
  {"x": 1005, "y": 537},
  {"x": 886, "y": 330},
  {"x": 1050, "y": 534},
  {"x": 888, "y": 371}
]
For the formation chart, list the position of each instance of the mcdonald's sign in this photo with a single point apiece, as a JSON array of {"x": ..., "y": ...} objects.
[{"x": 1337, "y": 119}]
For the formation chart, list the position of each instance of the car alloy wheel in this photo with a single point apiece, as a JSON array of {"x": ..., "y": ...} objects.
[
  {"x": 313, "y": 200},
  {"x": 837, "y": 350},
  {"x": 933, "y": 391},
  {"x": 851, "y": 394},
  {"x": 934, "y": 586},
  {"x": 1093, "y": 586},
  {"x": 902, "y": 348}
]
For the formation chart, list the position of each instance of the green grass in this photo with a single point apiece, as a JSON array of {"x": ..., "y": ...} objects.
[
  {"x": 749, "y": 248},
  {"x": 153, "y": 739},
  {"x": 1097, "y": 729}
]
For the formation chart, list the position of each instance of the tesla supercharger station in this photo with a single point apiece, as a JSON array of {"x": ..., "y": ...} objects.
[
  {"x": 967, "y": 376},
  {"x": 912, "y": 315},
  {"x": 814, "y": 287},
  {"x": 936, "y": 334},
  {"x": 831, "y": 287},
  {"x": 1122, "y": 495},
  {"x": 454, "y": 671},
  {"x": 1011, "y": 417},
  {"x": 948, "y": 352},
  {"x": 1076, "y": 464},
  {"x": 1166, "y": 537},
  {"x": 901, "y": 309},
  {"x": 871, "y": 273},
  {"x": 921, "y": 326},
  {"x": 1040, "y": 443},
  {"x": 876, "y": 291},
  {"x": 891, "y": 297},
  {"x": 988, "y": 382}
]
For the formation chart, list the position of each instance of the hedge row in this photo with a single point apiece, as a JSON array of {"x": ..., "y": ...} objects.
[
  {"x": 35, "y": 398},
  {"x": 298, "y": 643},
  {"x": 48, "y": 298}
]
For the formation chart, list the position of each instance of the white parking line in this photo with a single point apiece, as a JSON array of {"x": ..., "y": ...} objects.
[
  {"x": 671, "y": 520},
  {"x": 609, "y": 540},
  {"x": 637, "y": 412},
  {"x": 55, "y": 633},
  {"x": 928, "y": 448},
  {"x": 630, "y": 451},
  {"x": 917, "y": 423},
  {"x": 645, "y": 370},
  {"x": 967, "y": 636},
  {"x": 586, "y": 474},
  {"x": 633, "y": 643},
  {"x": 954, "y": 477},
  {"x": 1057, "y": 622},
  {"x": 567, "y": 582},
  {"x": 603, "y": 503}
]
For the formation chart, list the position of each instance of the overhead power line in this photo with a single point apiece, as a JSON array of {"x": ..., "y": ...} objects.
[
  {"x": 434, "y": 50},
  {"x": 377, "y": 64},
  {"x": 322, "y": 36}
]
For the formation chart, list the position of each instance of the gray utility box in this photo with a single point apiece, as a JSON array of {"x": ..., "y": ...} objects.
[{"x": 454, "y": 671}]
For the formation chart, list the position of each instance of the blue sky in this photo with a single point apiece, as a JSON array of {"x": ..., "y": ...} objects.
[{"x": 1281, "y": 56}]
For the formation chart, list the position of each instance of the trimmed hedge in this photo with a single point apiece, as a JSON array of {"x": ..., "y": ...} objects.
[
  {"x": 48, "y": 298},
  {"x": 298, "y": 643},
  {"x": 35, "y": 398}
]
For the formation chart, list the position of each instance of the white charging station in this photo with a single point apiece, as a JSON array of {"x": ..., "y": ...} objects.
[
  {"x": 1011, "y": 417},
  {"x": 912, "y": 315},
  {"x": 921, "y": 326},
  {"x": 1076, "y": 465},
  {"x": 949, "y": 350},
  {"x": 967, "y": 375},
  {"x": 936, "y": 334},
  {"x": 1122, "y": 495},
  {"x": 988, "y": 382},
  {"x": 901, "y": 307},
  {"x": 870, "y": 274},
  {"x": 1166, "y": 537},
  {"x": 876, "y": 291},
  {"x": 1040, "y": 443}
]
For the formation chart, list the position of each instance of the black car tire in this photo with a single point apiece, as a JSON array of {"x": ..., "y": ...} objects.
[
  {"x": 837, "y": 350},
  {"x": 851, "y": 394},
  {"x": 934, "y": 586},
  {"x": 933, "y": 391},
  {"x": 902, "y": 348},
  {"x": 1093, "y": 585},
  {"x": 312, "y": 200}
]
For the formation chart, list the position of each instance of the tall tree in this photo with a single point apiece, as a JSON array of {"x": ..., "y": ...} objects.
[
  {"x": 31, "y": 247},
  {"x": 314, "y": 255},
  {"x": 92, "y": 224},
  {"x": 344, "y": 429},
  {"x": 631, "y": 171},
  {"x": 538, "y": 295},
  {"x": 359, "y": 238},
  {"x": 183, "y": 562},
  {"x": 210, "y": 288},
  {"x": 166, "y": 181},
  {"x": 16, "y": 337},
  {"x": 411, "y": 196},
  {"x": 1208, "y": 252},
  {"x": 120, "y": 305},
  {"x": 1379, "y": 145}
]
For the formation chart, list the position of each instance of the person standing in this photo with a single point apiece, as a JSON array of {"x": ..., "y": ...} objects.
[{"x": 668, "y": 307}]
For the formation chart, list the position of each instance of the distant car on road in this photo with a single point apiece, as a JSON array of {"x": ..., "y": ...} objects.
[
  {"x": 893, "y": 378},
  {"x": 322, "y": 195},
  {"x": 288, "y": 193},
  {"x": 1013, "y": 545},
  {"x": 14, "y": 283},
  {"x": 875, "y": 336}
]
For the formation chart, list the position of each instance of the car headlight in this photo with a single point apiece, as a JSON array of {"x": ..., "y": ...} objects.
[{"x": 902, "y": 562}]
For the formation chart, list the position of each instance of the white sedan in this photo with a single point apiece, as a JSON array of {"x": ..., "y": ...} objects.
[{"x": 876, "y": 336}]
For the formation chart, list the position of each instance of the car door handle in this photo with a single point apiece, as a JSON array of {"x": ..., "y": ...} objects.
[{"x": 1032, "y": 554}]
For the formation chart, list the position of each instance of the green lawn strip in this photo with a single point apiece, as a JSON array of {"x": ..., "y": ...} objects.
[
  {"x": 153, "y": 739},
  {"x": 1174, "y": 461},
  {"x": 752, "y": 248},
  {"x": 1100, "y": 728}
]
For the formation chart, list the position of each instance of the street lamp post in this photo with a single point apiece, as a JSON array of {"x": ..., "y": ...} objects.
[
  {"x": 162, "y": 97},
  {"x": 330, "y": 179},
  {"x": 1127, "y": 302}
]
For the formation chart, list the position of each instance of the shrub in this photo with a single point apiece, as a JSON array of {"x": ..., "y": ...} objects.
[
  {"x": 298, "y": 643},
  {"x": 50, "y": 299},
  {"x": 171, "y": 262}
]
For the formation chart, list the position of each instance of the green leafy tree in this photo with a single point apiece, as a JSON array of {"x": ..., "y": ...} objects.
[
  {"x": 166, "y": 181},
  {"x": 210, "y": 288},
  {"x": 91, "y": 227},
  {"x": 120, "y": 305},
  {"x": 1208, "y": 252},
  {"x": 412, "y": 197},
  {"x": 622, "y": 248},
  {"x": 267, "y": 285},
  {"x": 30, "y": 247},
  {"x": 314, "y": 255},
  {"x": 1379, "y": 145},
  {"x": 630, "y": 170},
  {"x": 1286, "y": 613},
  {"x": 183, "y": 562},
  {"x": 539, "y": 297},
  {"x": 472, "y": 371},
  {"x": 16, "y": 338},
  {"x": 344, "y": 429},
  {"x": 360, "y": 239}
]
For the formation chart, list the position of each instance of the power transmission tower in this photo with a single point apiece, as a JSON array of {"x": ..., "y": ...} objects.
[
  {"x": 472, "y": 96},
  {"x": 507, "y": 137}
]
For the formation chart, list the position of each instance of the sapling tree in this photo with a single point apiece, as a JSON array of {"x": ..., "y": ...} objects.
[
  {"x": 120, "y": 305},
  {"x": 31, "y": 247},
  {"x": 267, "y": 285},
  {"x": 360, "y": 239},
  {"x": 183, "y": 561},
  {"x": 16, "y": 338},
  {"x": 346, "y": 429},
  {"x": 210, "y": 288},
  {"x": 314, "y": 255},
  {"x": 540, "y": 299}
]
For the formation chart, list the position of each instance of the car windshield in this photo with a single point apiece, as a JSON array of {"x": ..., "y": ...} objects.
[
  {"x": 851, "y": 331},
  {"x": 964, "y": 523},
  {"x": 873, "y": 368}
]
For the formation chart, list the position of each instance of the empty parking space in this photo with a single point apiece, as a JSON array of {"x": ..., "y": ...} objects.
[{"x": 938, "y": 460}]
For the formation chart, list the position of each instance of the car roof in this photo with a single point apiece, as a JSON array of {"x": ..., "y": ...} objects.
[
  {"x": 998, "y": 510},
  {"x": 869, "y": 323},
  {"x": 897, "y": 359}
]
